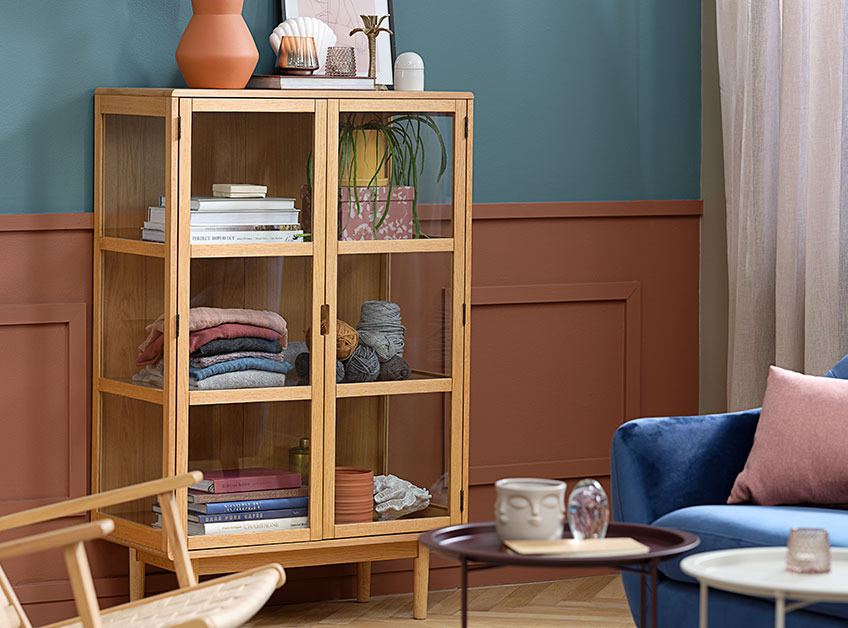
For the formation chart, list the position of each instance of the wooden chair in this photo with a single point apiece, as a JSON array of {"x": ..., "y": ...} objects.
[{"x": 220, "y": 603}]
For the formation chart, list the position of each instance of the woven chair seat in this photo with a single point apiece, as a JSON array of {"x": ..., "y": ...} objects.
[{"x": 225, "y": 605}]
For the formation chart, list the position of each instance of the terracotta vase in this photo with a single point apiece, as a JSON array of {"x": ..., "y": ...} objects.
[
  {"x": 354, "y": 500},
  {"x": 217, "y": 50}
]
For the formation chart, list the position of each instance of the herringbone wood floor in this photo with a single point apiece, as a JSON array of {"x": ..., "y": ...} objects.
[{"x": 596, "y": 602}]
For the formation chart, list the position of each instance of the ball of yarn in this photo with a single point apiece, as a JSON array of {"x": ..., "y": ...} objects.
[
  {"x": 380, "y": 328},
  {"x": 346, "y": 340},
  {"x": 301, "y": 365},
  {"x": 393, "y": 370},
  {"x": 385, "y": 346},
  {"x": 362, "y": 366}
]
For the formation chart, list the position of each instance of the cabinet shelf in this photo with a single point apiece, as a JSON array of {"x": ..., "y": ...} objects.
[
  {"x": 133, "y": 247},
  {"x": 269, "y": 249},
  {"x": 418, "y": 383},
  {"x": 427, "y": 245},
  {"x": 398, "y": 526},
  {"x": 249, "y": 395},
  {"x": 128, "y": 388},
  {"x": 251, "y": 538}
]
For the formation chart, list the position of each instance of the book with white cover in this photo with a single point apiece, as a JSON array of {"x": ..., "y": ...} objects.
[
  {"x": 314, "y": 81},
  {"x": 229, "y": 237},
  {"x": 260, "y": 217},
  {"x": 241, "y": 527},
  {"x": 215, "y": 203},
  {"x": 242, "y": 189},
  {"x": 237, "y": 195},
  {"x": 160, "y": 226}
]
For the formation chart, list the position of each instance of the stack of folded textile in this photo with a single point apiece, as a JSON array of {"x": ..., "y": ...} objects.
[{"x": 229, "y": 348}]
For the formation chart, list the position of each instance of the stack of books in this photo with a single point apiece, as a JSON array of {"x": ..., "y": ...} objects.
[
  {"x": 236, "y": 501},
  {"x": 235, "y": 214}
]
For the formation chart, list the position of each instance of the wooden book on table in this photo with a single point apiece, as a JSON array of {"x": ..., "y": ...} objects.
[{"x": 587, "y": 548}]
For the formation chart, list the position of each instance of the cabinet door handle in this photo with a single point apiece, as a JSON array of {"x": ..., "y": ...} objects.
[{"x": 325, "y": 319}]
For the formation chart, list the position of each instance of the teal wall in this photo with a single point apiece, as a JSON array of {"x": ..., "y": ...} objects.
[{"x": 576, "y": 99}]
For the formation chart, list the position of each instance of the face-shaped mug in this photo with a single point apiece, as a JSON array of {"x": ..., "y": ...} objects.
[{"x": 529, "y": 509}]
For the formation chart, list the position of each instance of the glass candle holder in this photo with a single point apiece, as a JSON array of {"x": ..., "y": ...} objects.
[
  {"x": 808, "y": 551},
  {"x": 588, "y": 510},
  {"x": 341, "y": 61},
  {"x": 297, "y": 56}
]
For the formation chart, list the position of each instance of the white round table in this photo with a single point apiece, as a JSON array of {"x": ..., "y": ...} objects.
[{"x": 761, "y": 571}]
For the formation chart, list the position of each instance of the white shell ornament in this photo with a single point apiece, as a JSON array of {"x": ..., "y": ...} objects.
[{"x": 305, "y": 27}]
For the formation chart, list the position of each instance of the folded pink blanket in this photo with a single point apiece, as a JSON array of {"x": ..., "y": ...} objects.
[
  {"x": 205, "y": 317},
  {"x": 154, "y": 350}
]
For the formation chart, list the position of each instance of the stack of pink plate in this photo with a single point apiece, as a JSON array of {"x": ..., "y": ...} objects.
[{"x": 354, "y": 495}]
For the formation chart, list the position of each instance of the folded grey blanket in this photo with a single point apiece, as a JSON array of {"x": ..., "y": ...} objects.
[{"x": 242, "y": 379}]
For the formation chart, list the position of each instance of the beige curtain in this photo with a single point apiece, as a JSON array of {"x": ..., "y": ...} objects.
[{"x": 783, "y": 70}]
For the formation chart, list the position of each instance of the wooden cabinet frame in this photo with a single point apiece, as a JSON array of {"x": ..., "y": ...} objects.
[{"x": 324, "y": 542}]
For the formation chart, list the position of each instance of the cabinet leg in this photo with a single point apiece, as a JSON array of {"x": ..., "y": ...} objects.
[
  {"x": 420, "y": 582},
  {"x": 136, "y": 576},
  {"x": 363, "y": 582}
]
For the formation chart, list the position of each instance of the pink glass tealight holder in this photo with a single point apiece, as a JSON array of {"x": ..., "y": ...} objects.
[{"x": 808, "y": 551}]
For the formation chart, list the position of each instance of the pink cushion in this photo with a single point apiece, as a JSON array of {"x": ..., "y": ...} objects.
[{"x": 800, "y": 452}]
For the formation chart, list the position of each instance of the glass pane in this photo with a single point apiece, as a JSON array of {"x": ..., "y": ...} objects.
[
  {"x": 133, "y": 173},
  {"x": 266, "y": 149},
  {"x": 263, "y": 450},
  {"x": 395, "y": 176},
  {"x": 258, "y": 345},
  {"x": 419, "y": 286},
  {"x": 131, "y": 432},
  {"x": 405, "y": 436},
  {"x": 133, "y": 298}
]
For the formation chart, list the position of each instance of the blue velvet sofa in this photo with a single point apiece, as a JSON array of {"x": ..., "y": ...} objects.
[{"x": 677, "y": 472}]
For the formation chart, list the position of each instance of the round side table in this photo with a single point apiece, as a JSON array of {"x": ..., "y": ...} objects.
[
  {"x": 478, "y": 543},
  {"x": 762, "y": 571}
]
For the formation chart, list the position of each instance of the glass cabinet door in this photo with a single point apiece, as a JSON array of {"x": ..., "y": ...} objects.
[
  {"x": 135, "y": 142},
  {"x": 395, "y": 289},
  {"x": 251, "y": 355}
]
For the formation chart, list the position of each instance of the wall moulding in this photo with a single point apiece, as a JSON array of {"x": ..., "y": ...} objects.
[
  {"x": 481, "y": 211},
  {"x": 60, "y": 331},
  {"x": 71, "y": 221},
  {"x": 628, "y": 294}
]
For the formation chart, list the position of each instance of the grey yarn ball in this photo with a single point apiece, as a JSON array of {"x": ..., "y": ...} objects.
[
  {"x": 385, "y": 346},
  {"x": 393, "y": 370},
  {"x": 380, "y": 328},
  {"x": 301, "y": 365},
  {"x": 294, "y": 349},
  {"x": 362, "y": 366}
]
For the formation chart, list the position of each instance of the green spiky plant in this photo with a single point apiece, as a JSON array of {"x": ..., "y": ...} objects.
[{"x": 401, "y": 155}]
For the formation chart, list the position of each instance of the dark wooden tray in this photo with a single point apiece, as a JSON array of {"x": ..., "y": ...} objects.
[{"x": 479, "y": 542}]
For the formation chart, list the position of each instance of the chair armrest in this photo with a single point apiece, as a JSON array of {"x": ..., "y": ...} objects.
[
  {"x": 660, "y": 465},
  {"x": 99, "y": 500},
  {"x": 56, "y": 538}
]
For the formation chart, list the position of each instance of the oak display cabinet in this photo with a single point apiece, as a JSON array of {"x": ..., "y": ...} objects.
[{"x": 175, "y": 143}]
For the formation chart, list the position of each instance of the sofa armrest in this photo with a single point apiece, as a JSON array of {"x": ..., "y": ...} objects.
[{"x": 660, "y": 465}]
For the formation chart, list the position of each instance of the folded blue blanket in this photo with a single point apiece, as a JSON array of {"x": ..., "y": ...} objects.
[{"x": 240, "y": 364}]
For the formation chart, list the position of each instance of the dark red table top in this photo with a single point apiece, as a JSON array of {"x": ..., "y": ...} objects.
[{"x": 479, "y": 542}]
